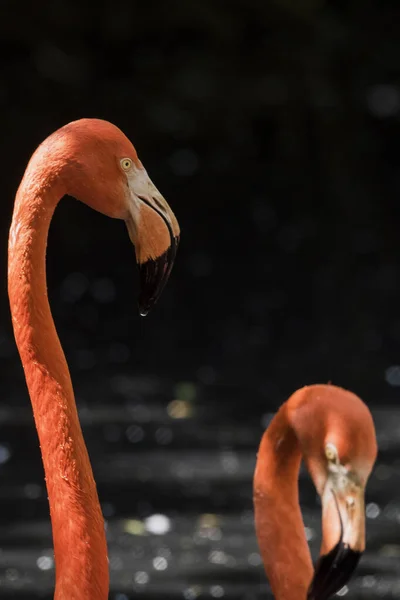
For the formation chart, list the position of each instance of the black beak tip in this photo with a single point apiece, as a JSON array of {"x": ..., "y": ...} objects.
[
  {"x": 333, "y": 571},
  {"x": 154, "y": 274},
  {"x": 150, "y": 292}
]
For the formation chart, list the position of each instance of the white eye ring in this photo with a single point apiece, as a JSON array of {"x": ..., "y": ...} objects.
[
  {"x": 331, "y": 452},
  {"x": 126, "y": 163}
]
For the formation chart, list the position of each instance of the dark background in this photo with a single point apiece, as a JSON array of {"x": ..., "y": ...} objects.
[{"x": 272, "y": 128}]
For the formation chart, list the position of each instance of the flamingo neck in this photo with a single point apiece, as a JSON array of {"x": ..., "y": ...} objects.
[
  {"x": 278, "y": 519},
  {"x": 77, "y": 523}
]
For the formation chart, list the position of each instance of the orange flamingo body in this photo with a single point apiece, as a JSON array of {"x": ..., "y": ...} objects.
[
  {"x": 93, "y": 161},
  {"x": 333, "y": 431}
]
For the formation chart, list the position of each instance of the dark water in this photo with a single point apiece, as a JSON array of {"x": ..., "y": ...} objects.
[{"x": 174, "y": 470}]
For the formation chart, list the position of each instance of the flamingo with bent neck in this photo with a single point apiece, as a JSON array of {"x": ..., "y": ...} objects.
[
  {"x": 93, "y": 161},
  {"x": 333, "y": 431}
]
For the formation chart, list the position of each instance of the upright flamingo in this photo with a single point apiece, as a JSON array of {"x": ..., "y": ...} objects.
[
  {"x": 333, "y": 431},
  {"x": 93, "y": 161}
]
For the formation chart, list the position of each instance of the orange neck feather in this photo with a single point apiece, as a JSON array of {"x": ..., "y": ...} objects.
[
  {"x": 278, "y": 519},
  {"x": 78, "y": 528}
]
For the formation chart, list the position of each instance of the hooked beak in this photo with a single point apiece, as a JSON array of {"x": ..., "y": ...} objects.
[
  {"x": 154, "y": 231},
  {"x": 343, "y": 528}
]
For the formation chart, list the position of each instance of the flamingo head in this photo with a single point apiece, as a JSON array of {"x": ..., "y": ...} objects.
[
  {"x": 337, "y": 436},
  {"x": 101, "y": 168}
]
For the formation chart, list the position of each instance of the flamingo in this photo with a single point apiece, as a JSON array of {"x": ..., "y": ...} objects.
[
  {"x": 93, "y": 161},
  {"x": 333, "y": 431}
]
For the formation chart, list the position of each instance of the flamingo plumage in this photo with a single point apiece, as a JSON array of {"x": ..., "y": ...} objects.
[
  {"x": 95, "y": 162},
  {"x": 332, "y": 430}
]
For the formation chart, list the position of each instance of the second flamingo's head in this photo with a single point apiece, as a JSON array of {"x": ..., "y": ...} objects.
[
  {"x": 337, "y": 437},
  {"x": 97, "y": 164}
]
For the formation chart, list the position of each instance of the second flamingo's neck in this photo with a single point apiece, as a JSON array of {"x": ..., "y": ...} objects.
[
  {"x": 278, "y": 519},
  {"x": 78, "y": 527}
]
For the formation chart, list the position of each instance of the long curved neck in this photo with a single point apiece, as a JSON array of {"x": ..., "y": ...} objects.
[
  {"x": 78, "y": 528},
  {"x": 278, "y": 519}
]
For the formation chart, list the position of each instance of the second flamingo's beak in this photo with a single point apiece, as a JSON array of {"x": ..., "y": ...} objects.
[
  {"x": 155, "y": 233},
  {"x": 343, "y": 532}
]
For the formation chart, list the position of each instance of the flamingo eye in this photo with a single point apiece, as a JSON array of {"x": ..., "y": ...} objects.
[
  {"x": 126, "y": 163},
  {"x": 331, "y": 453}
]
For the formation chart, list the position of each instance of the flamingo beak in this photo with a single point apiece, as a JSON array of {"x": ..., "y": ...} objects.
[
  {"x": 154, "y": 272},
  {"x": 343, "y": 527},
  {"x": 154, "y": 231}
]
